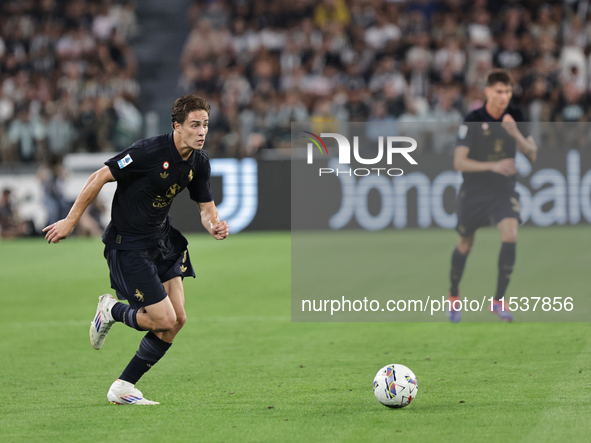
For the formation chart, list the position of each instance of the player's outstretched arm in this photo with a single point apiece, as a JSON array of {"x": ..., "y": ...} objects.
[
  {"x": 63, "y": 228},
  {"x": 465, "y": 164},
  {"x": 527, "y": 146},
  {"x": 211, "y": 221}
]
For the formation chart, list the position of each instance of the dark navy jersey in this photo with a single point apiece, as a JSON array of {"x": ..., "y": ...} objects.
[
  {"x": 489, "y": 142},
  {"x": 150, "y": 174}
]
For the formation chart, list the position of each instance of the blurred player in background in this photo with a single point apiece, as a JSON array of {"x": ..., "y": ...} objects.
[
  {"x": 485, "y": 153},
  {"x": 147, "y": 257}
]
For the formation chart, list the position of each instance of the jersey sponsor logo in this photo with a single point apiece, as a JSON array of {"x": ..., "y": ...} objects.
[
  {"x": 139, "y": 295},
  {"x": 161, "y": 202},
  {"x": 124, "y": 161},
  {"x": 485, "y": 129},
  {"x": 164, "y": 175},
  {"x": 498, "y": 152},
  {"x": 462, "y": 132},
  {"x": 173, "y": 190}
]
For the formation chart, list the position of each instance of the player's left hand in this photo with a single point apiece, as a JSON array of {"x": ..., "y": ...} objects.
[
  {"x": 510, "y": 126},
  {"x": 220, "y": 230}
]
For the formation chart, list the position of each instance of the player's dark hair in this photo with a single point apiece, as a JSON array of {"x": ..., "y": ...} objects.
[
  {"x": 499, "y": 76},
  {"x": 186, "y": 104}
]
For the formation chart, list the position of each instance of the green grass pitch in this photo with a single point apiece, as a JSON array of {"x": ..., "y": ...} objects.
[{"x": 241, "y": 371}]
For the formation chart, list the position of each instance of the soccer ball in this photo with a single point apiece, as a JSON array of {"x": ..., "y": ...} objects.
[{"x": 395, "y": 386}]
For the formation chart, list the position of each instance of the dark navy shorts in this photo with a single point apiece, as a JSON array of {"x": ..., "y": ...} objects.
[
  {"x": 477, "y": 209},
  {"x": 137, "y": 275}
]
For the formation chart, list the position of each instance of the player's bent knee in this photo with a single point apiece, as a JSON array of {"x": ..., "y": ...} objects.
[
  {"x": 465, "y": 250},
  {"x": 509, "y": 236},
  {"x": 165, "y": 324},
  {"x": 465, "y": 245},
  {"x": 169, "y": 323}
]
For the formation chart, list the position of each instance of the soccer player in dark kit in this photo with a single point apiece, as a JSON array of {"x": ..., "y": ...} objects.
[
  {"x": 147, "y": 257},
  {"x": 485, "y": 153}
]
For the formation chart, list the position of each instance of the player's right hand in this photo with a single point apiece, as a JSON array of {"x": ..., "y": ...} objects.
[
  {"x": 505, "y": 167},
  {"x": 58, "y": 231}
]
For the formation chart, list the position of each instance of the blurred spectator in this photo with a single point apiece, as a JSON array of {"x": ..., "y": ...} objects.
[
  {"x": 125, "y": 19},
  {"x": 10, "y": 224},
  {"x": 509, "y": 55},
  {"x": 291, "y": 110},
  {"x": 323, "y": 119},
  {"x": 573, "y": 105},
  {"x": 449, "y": 28},
  {"x": 574, "y": 33},
  {"x": 447, "y": 118},
  {"x": 104, "y": 22},
  {"x": 379, "y": 122},
  {"x": 332, "y": 11},
  {"x": 544, "y": 24},
  {"x": 573, "y": 64},
  {"x": 444, "y": 110},
  {"x": 60, "y": 131},
  {"x": 386, "y": 74},
  {"x": 90, "y": 224},
  {"x": 230, "y": 132},
  {"x": 26, "y": 137},
  {"x": 479, "y": 31},
  {"x": 128, "y": 124},
  {"x": 572, "y": 109},
  {"x": 260, "y": 120},
  {"x": 511, "y": 21},
  {"x": 95, "y": 122},
  {"x": 6, "y": 108},
  {"x": 419, "y": 59},
  {"x": 356, "y": 107},
  {"x": 539, "y": 108},
  {"x": 481, "y": 63},
  {"x": 236, "y": 87},
  {"x": 52, "y": 176},
  {"x": 451, "y": 54},
  {"x": 378, "y": 36}
]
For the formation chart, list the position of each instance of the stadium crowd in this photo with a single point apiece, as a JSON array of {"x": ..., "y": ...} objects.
[
  {"x": 263, "y": 64},
  {"x": 68, "y": 72},
  {"x": 67, "y": 75}
]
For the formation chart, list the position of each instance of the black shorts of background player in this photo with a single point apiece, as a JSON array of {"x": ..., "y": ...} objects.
[
  {"x": 147, "y": 257},
  {"x": 485, "y": 153}
]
